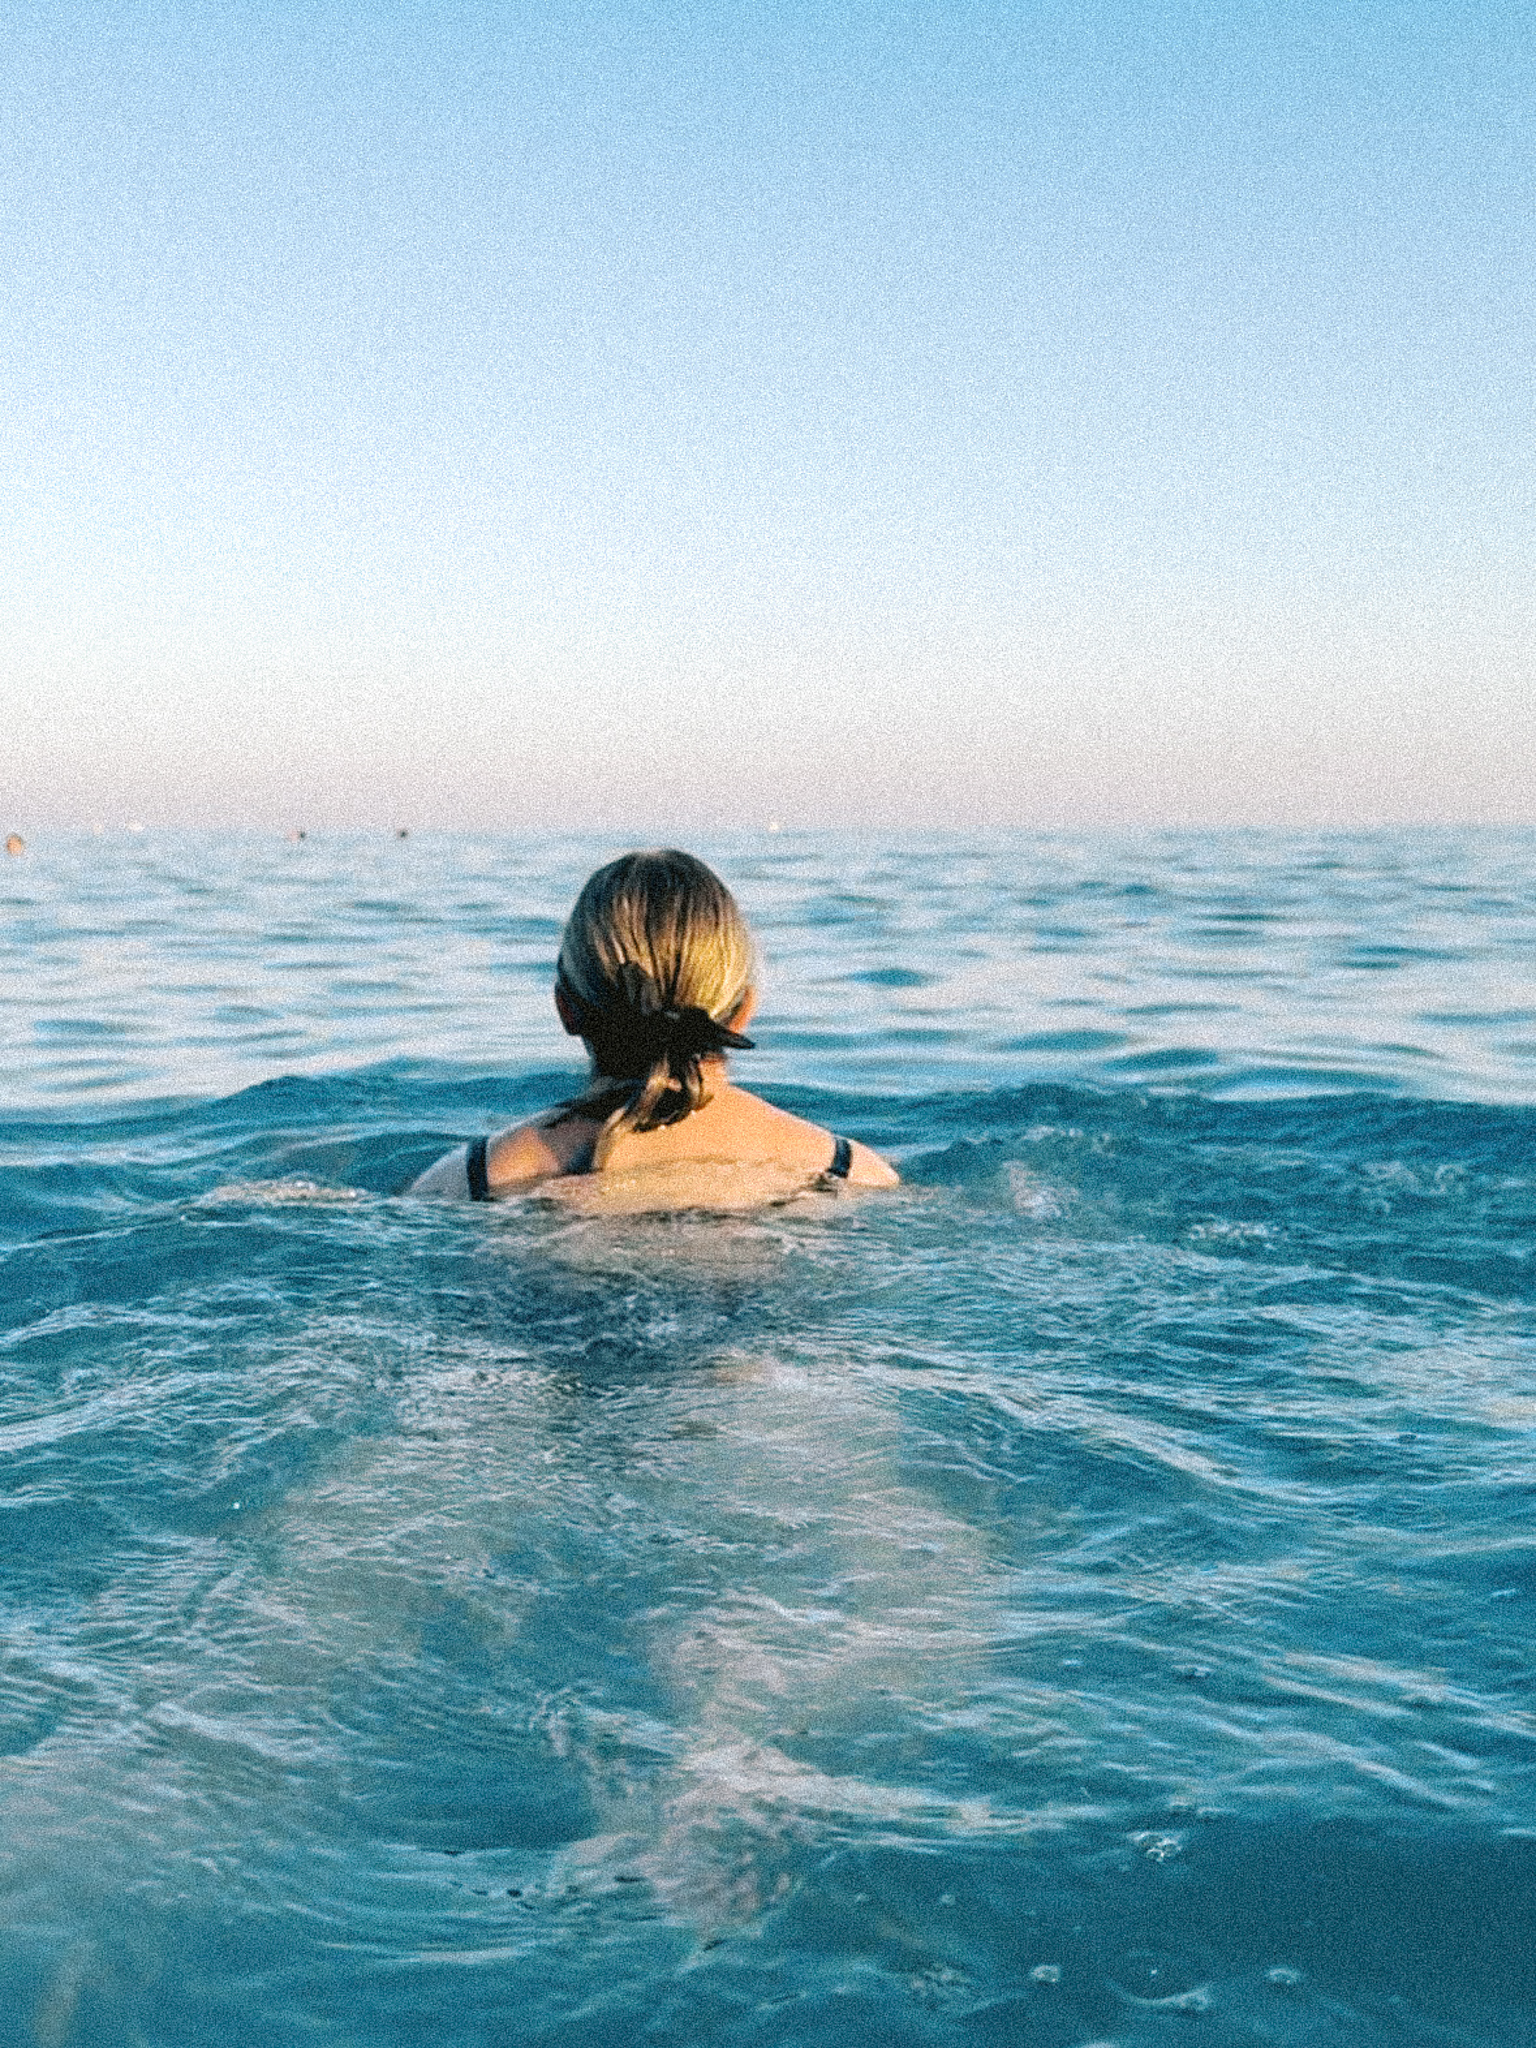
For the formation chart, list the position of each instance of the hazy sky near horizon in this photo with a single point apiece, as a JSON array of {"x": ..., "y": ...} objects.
[{"x": 675, "y": 415}]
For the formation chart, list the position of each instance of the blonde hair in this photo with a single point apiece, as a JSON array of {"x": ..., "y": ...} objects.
[{"x": 655, "y": 960}]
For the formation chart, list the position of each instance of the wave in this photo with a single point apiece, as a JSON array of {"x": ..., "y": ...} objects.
[{"x": 1442, "y": 1193}]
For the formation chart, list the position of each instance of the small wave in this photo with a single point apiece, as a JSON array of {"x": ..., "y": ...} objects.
[{"x": 258, "y": 1194}]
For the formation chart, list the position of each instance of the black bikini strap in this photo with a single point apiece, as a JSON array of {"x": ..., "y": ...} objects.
[
  {"x": 474, "y": 1166},
  {"x": 842, "y": 1159}
]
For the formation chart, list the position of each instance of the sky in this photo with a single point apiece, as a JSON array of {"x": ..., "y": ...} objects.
[{"x": 685, "y": 416}]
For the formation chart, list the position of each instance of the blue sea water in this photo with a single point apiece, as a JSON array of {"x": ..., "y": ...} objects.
[{"x": 1083, "y": 1596}]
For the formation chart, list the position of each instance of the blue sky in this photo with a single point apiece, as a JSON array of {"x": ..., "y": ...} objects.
[{"x": 668, "y": 416}]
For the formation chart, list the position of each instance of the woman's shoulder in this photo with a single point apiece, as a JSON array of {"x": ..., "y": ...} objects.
[
  {"x": 795, "y": 1140},
  {"x": 525, "y": 1152},
  {"x": 557, "y": 1144}
]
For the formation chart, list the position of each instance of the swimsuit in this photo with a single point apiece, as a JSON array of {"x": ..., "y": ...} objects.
[
  {"x": 480, "y": 1186},
  {"x": 474, "y": 1166}
]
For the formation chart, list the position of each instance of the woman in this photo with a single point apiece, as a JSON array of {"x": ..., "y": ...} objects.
[{"x": 655, "y": 978}]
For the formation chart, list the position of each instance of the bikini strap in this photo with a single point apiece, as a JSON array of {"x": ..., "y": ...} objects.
[
  {"x": 474, "y": 1166},
  {"x": 842, "y": 1159}
]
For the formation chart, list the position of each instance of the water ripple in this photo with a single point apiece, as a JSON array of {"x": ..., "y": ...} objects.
[{"x": 1084, "y": 1595}]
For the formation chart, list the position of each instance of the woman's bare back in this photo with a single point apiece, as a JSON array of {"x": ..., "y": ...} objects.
[{"x": 736, "y": 1151}]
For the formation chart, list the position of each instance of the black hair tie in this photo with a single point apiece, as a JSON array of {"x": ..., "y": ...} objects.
[
  {"x": 694, "y": 1033},
  {"x": 675, "y": 1031}
]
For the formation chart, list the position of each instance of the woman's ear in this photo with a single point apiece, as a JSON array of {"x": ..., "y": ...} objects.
[
  {"x": 741, "y": 1016},
  {"x": 568, "y": 1013}
]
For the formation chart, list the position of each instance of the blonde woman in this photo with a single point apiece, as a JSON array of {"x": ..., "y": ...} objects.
[{"x": 656, "y": 978}]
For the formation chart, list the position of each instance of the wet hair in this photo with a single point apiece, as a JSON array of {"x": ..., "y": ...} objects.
[{"x": 655, "y": 959}]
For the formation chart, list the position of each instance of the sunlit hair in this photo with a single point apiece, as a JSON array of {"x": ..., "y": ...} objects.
[{"x": 655, "y": 961}]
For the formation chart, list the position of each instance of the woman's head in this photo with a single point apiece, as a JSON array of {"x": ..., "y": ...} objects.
[{"x": 655, "y": 965}]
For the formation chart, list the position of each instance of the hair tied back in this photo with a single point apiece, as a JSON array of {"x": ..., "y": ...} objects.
[
  {"x": 653, "y": 955},
  {"x": 683, "y": 1031},
  {"x": 693, "y": 1032}
]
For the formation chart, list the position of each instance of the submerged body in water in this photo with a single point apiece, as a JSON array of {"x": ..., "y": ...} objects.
[{"x": 1077, "y": 1596}]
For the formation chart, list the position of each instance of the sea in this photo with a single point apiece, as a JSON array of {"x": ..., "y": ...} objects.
[{"x": 1083, "y": 1596}]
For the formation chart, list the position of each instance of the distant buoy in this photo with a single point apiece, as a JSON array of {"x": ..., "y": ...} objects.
[
  {"x": 294, "y": 837},
  {"x": 404, "y": 832},
  {"x": 15, "y": 843}
]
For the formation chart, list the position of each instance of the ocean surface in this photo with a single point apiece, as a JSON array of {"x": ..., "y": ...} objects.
[{"x": 1083, "y": 1596}]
